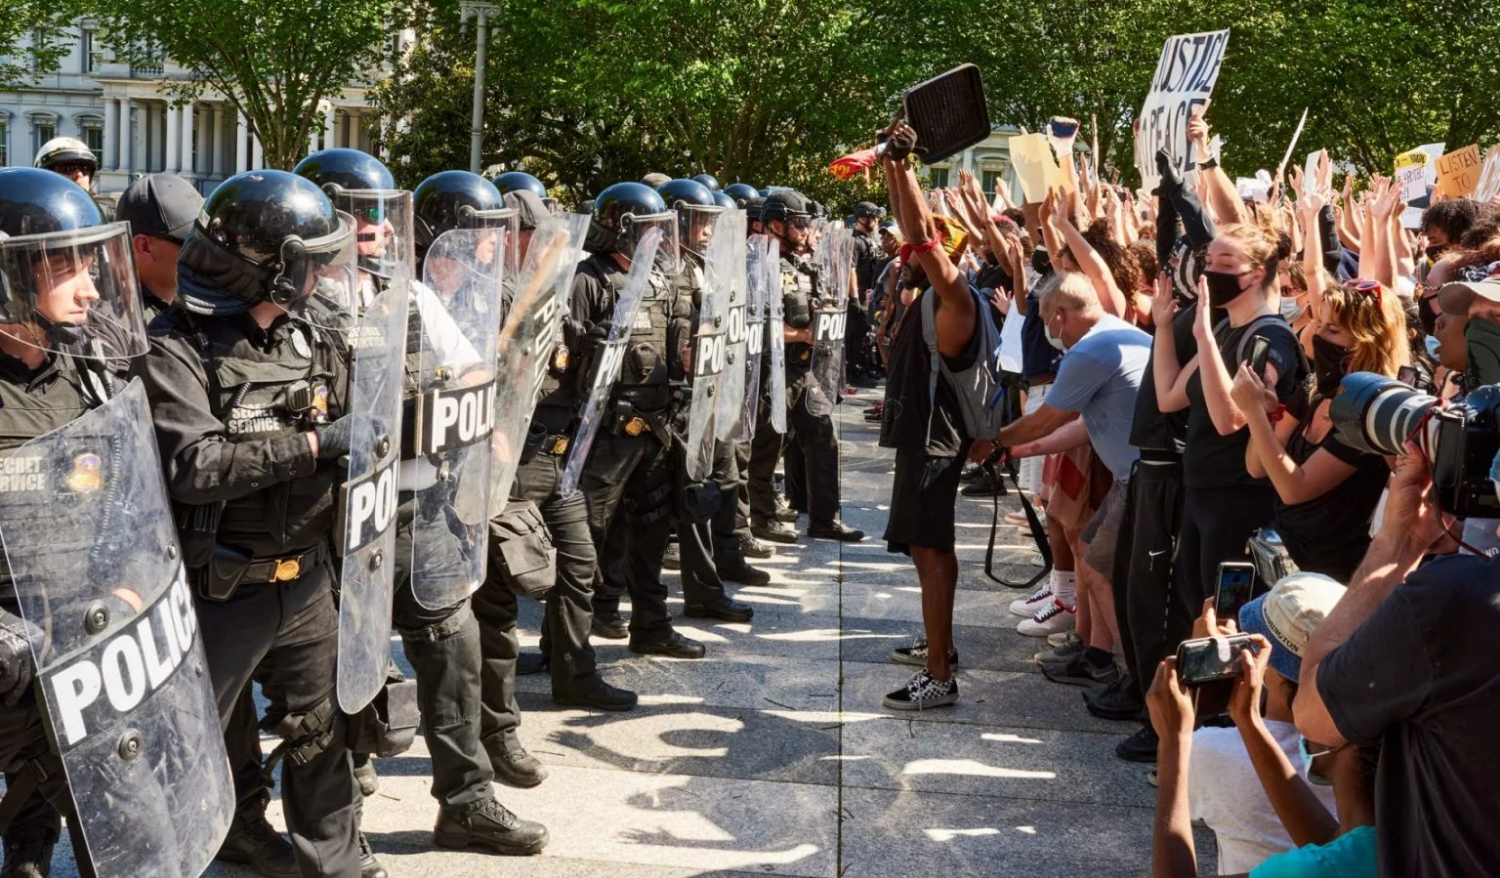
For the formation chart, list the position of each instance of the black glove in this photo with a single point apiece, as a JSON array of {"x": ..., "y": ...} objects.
[
  {"x": 899, "y": 146},
  {"x": 1171, "y": 181},
  {"x": 334, "y": 438},
  {"x": 17, "y": 668}
]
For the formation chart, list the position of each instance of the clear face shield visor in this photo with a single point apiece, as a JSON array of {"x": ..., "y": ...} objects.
[{"x": 73, "y": 292}]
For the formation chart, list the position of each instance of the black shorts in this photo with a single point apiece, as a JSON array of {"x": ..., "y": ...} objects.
[{"x": 923, "y": 495}]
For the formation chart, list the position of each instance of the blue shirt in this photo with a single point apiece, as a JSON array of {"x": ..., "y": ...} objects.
[
  {"x": 1351, "y": 855},
  {"x": 1100, "y": 377}
]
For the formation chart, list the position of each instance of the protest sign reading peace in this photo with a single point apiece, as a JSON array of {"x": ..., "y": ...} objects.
[{"x": 1184, "y": 80}]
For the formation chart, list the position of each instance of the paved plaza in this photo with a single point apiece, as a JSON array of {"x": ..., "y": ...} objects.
[{"x": 774, "y": 756}]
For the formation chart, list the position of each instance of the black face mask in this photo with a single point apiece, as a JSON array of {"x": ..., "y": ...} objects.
[
  {"x": 1329, "y": 365},
  {"x": 1223, "y": 287},
  {"x": 1433, "y": 251}
]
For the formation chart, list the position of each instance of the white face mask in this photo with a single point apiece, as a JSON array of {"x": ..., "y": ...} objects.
[
  {"x": 1291, "y": 309},
  {"x": 1052, "y": 339}
]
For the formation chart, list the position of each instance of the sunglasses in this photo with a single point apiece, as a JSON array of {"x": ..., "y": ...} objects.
[
  {"x": 376, "y": 214},
  {"x": 1371, "y": 288},
  {"x": 73, "y": 168},
  {"x": 801, "y": 222}
]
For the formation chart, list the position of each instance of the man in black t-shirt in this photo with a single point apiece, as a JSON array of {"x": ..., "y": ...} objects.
[
  {"x": 1408, "y": 660},
  {"x": 928, "y": 435}
]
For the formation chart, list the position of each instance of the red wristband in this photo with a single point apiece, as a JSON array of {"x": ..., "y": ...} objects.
[{"x": 1276, "y": 416}]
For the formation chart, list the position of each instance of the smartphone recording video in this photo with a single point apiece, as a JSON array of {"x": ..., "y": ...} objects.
[
  {"x": 1211, "y": 658},
  {"x": 1235, "y": 588}
]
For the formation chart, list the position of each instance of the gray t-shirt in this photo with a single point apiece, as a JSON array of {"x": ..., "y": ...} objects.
[{"x": 1100, "y": 377}]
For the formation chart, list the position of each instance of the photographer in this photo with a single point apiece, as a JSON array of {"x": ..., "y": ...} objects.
[
  {"x": 1326, "y": 491},
  {"x": 1407, "y": 660}
]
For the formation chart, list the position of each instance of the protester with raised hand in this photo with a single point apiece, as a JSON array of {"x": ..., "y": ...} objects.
[
  {"x": 1326, "y": 491},
  {"x": 1077, "y": 254}
]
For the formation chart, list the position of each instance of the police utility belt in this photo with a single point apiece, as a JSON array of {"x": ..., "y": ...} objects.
[{"x": 231, "y": 568}]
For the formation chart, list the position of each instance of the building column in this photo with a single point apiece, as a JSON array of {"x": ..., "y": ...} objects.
[
  {"x": 217, "y": 164},
  {"x": 257, "y": 152},
  {"x": 204, "y": 164},
  {"x": 111, "y": 134},
  {"x": 174, "y": 139},
  {"x": 241, "y": 146},
  {"x": 189, "y": 161},
  {"x": 330, "y": 128},
  {"x": 312, "y": 141},
  {"x": 146, "y": 135},
  {"x": 125, "y": 137}
]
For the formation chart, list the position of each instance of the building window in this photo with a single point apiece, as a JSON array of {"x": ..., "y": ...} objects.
[
  {"x": 39, "y": 43},
  {"x": 90, "y": 55},
  {"x": 93, "y": 135},
  {"x": 4, "y": 143},
  {"x": 44, "y": 131},
  {"x": 937, "y": 178},
  {"x": 988, "y": 179}
]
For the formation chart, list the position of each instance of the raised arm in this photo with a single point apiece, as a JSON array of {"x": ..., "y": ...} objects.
[{"x": 1092, "y": 264}]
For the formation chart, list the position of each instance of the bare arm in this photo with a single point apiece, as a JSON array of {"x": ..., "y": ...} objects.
[
  {"x": 1034, "y": 426},
  {"x": 1294, "y": 483},
  {"x": 1071, "y": 435},
  {"x": 1093, "y": 265}
]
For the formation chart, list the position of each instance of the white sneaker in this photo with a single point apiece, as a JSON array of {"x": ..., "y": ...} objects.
[
  {"x": 1027, "y": 607},
  {"x": 1051, "y": 619},
  {"x": 923, "y": 691}
]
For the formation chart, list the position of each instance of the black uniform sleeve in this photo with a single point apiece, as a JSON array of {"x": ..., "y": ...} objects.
[
  {"x": 202, "y": 466},
  {"x": 1333, "y": 248}
]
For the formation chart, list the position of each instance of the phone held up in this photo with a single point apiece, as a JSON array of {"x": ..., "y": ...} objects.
[
  {"x": 1235, "y": 588},
  {"x": 1210, "y": 659}
]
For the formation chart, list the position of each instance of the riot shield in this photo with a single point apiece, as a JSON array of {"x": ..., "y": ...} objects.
[
  {"x": 755, "y": 335},
  {"x": 834, "y": 257},
  {"x": 710, "y": 355},
  {"x": 367, "y": 524},
  {"x": 447, "y": 435},
  {"x": 121, "y": 673},
  {"x": 729, "y": 421},
  {"x": 776, "y": 333},
  {"x": 529, "y": 340},
  {"x": 611, "y": 356}
]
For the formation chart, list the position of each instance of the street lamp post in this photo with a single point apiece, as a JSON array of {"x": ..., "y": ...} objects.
[{"x": 481, "y": 11}]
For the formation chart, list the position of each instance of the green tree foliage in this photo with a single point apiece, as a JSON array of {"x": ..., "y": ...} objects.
[
  {"x": 33, "y": 35},
  {"x": 275, "y": 61}
]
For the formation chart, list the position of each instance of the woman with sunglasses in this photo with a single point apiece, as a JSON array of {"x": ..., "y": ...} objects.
[{"x": 1326, "y": 491}]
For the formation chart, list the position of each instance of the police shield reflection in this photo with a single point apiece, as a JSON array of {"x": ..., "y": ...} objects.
[{"x": 833, "y": 256}]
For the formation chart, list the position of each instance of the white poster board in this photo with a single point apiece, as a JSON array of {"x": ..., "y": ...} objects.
[{"x": 1183, "y": 82}]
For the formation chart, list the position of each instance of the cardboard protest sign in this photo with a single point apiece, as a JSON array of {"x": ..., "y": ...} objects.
[
  {"x": 1411, "y": 174},
  {"x": 1252, "y": 189},
  {"x": 1458, "y": 172},
  {"x": 1489, "y": 176},
  {"x": 1035, "y": 166},
  {"x": 1182, "y": 84}
]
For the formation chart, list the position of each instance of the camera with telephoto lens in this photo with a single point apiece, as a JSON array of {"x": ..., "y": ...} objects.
[{"x": 1379, "y": 415}]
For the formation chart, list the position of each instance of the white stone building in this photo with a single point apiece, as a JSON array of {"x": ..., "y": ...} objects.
[{"x": 126, "y": 115}]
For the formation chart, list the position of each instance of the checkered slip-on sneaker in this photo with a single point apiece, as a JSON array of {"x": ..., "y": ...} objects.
[
  {"x": 922, "y": 692},
  {"x": 916, "y": 654}
]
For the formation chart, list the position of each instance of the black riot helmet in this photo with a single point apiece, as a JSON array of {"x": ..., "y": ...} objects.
[
  {"x": 268, "y": 236},
  {"x": 788, "y": 207},
  {"x": 708, "y": 181},
  {"x": 623, "y": 214},
  {"x": 697, "y": 213},
  {"x": 451, "y": 200},
  {"x": 741, "y": 193},
  {"x": 754, "y": 207},
  {"x": 512, "y": 181},
  {"x": 67, "y": 280},
  {"x": 723, "y": 199},
  {"x": 362, "y": 186}
]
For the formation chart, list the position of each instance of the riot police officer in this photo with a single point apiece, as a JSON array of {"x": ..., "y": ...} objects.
[
  {"x": 706, "y": 562},
  {"x": 73, "y": 159},
  {"x": 249, "y": 406},
  {"x": 788, "y": 215},
  {"x": 443, "y": 642},
  {"x": 70, "y": 315},
  {"x": 707, "y": 181},
  {"x": 517, "y": 181},
  {"x": 565, "y": 648},
  {"x": 742, "y": 193},
  {"x": 629, "y": 478}
]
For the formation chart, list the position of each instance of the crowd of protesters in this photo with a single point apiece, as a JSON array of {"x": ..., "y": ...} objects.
[{"x": 1167, "y": 405}]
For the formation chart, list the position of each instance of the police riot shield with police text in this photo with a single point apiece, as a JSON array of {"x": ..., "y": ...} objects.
[
  {"x": 775, "y": 333},
  {"x": 447, "y": 433},
  {"x": 710, "y": 345},
  {"x": 531, "y": 340},
  {"x": 93, "y": 552},
  {"x": 729, "y": 420},
  {"x": 610, "y": 357},
  {"x": 366, "y": 530},
  {"x": 834, "y": 258},
  {"x": 755, "y": 336}
]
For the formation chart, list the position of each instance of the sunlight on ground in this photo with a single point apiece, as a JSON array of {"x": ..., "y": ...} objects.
[{"x": 972, "y": 768}]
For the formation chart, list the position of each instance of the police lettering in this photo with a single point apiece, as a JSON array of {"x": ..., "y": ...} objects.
[
  {"x": 372, "y": 508},
  {"x": 459, "y": 417},
  {"x": 548, "y": 326},
  {"x": 18, "y": 474},
  {"x": 253, "y": 419},
  {"x": 755, "y": 338},
  {"x": 829, "y": 326},
  {"x": 709, "y": 359},
  {"x": 737, "y": 324},
  {"x": 97, "y": 690},
  {"x": 611, "y": 356}
]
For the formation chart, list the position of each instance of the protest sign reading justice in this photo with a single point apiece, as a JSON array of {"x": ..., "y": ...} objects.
[{"x": 1183, "y": 82}]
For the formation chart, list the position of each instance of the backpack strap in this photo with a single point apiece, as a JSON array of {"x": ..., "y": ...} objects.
[{"x": 934, "y": 359}]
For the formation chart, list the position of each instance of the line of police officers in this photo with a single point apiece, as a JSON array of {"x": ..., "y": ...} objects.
[{"x": 371, "y": 409}]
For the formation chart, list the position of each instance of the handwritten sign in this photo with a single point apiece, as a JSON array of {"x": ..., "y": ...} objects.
[
  {"x": 1411, "y": 173},
  {"x": 1489, "y": 177},
  {"x": 1458, "y": 172},
  {"x": 1180, "y": 88}
]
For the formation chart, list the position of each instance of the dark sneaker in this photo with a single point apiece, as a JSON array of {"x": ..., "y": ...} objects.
[
  {"x": 1139, "y": 747},
  {"x": 988, "y": 484},
  {"x": 489, "y": 825},
  {"x": 365, "y": 776},
  {"x": 529, "y": 663},
  {"x": 923, "y": 691},
  {"x": 1117, "y": 701},
  {"x": 750, "y": 547},
  {"x": 610, "y": 626},
  {"x": 251, "y": 842},
  {"x": 736, "y": 570},
  {"x": 1081, "y": 670},
  {"x": 724, "y": 609},
  {"x": 516, "y": 767},
  {"x": 369, "y": 866},
  {"x": 672, "y": 559},
  {"x": 595, "y": 694},
  {"x": 775, "y": 531},
  {"x": 673, "y": 645},
  {"x": 834, "y": 530},
  {"x": 33, "y": 859},
  {"x": 916, "y": 654},
  {"x": 970, "y": 473}
]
